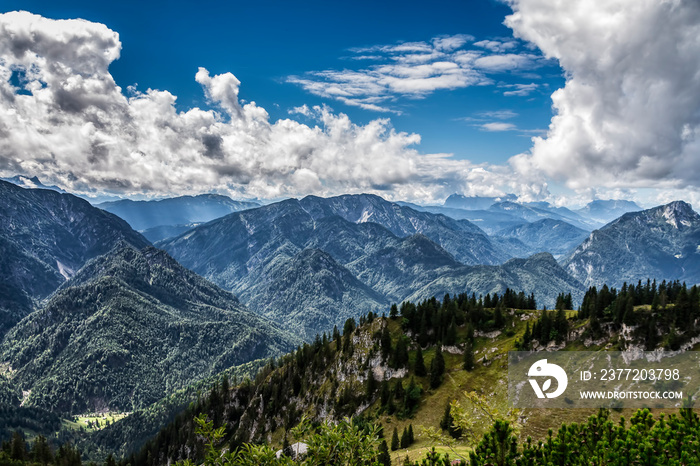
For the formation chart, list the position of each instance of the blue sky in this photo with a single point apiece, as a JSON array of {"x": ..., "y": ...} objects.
[
  {"x": 409, "y": 100},
  {"x": 264, "y": 43}
]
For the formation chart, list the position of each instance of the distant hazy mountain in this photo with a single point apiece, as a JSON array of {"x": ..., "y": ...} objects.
[
  {"x": 254, "y": 253},
  {"x": 45, "y": 237},
  {"x": 538, "y": 211},
  {"x": 129, "y": 328},
  {"x": 272, "y": 256},
  {"x": 142, "y": 215},
  {"x": 489, "y": 221},
  {"x": 662, "y": 243},
  {"x": 464, "y": 240},
  {"x": 460, "y": 201},
  {"x": 547, "y": 235},
  {"x": 495, "y": 214},
  {"x": 30, "y": 183},
  {"x": 605, "y": 211}
]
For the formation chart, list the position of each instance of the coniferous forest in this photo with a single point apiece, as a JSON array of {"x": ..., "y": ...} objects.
[{"x": 313, "y": 394}]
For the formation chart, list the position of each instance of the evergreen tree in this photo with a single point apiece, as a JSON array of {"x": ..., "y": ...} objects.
[
  {"x": 446, "y": 420},
  {"x": 437, "y": 368},
  {"x": 628, "y": 318},
  {"x": 394, "y": 312},
  {"x": 385, "y": 342},
  {"x": 18, "y": 448},
  {"x": 399, "y": 392},
  {"x": 412, "y": 397},
  {"x": 419, "y": 367},
  {"x": 404, "y": 438},
  {"x": 385, "y": 394},
  {"x": 384, "y": 457},
  {"x": 395, "y": 444},
  {"x": 561, "y": 324},
  {"x": 468, "y": 361},
  {"x": 447, "y": 423},
  {"x": 527, "y": 337},
  {"x": 499, "y": 319},
  {"x": 401, "y": 353},
  {"x": 451, "y": 333},
  {"x": 41, "y": 452},
  {"x": 371, "y": 384}
]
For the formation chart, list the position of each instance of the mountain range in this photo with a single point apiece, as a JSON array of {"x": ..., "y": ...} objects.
[
  {"x": 661, "y": 243},
  {"x": 95, "y": 315},
  {"x": 374, "y": 251},
  {"x": 95, "y": 318},
  {"x": 45, "y": 237},
  {"x": 160, "y": 219}
]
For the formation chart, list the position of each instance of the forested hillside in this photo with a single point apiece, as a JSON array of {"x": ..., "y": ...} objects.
[
  {"x": 131, "y": 327},
  {"x": 45, "y": 237},
  {"x": 400, "y": 373}
]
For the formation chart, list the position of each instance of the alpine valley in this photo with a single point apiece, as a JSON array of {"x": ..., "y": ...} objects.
[{"x": 228, "y": 327}]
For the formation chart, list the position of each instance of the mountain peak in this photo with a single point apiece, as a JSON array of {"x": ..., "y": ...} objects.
[{"x": 678, "y": 214}]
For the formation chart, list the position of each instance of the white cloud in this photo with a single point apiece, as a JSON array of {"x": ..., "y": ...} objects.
[
  {"x": 72, "y": 125},
  {"x": 497, "y": 46},
  {"x": 417, "y": 69},
  {"x": 221, "y": 89},
  {"x": 506, "y": 62},
  {"x": 497, "y": 126},
  {"x": 628, "y": 114},
  {"x": 499, "y": 114},
  {"x": 520, "y": 89}
]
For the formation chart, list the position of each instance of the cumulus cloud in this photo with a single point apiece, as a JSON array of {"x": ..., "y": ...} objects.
[
  {"x": 68, "y": 122},
  {"x": 628, "y": 115},
  {"x": 417, "y": 69}
]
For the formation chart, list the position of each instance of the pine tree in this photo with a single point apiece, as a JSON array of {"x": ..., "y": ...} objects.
[
  {"x": 411, "y": 438},
  {"x": 404, "y": 438},
  {"x": 41, "y": 452},
  {"x": 385, "y": 342},
  {"x": 371, "y": 385},
  {"x": 394, "y": 312},
  {"x": 468, "y": 361},
  {"x": 395, "y": 444},
  {"x": 499, "y": 319},
  {"x": 399, "y": 392},
  {"x": 527, "y": 337},
  {"x": 446, "y": 421},
  {"x": 401, "y": 353},
  {"x": 561, "y": 325},
  {"x": 437, "y": 368},
  {"x": 412, "y": 397},
  {"x": 384, "y": 457},
  {"x": 451, "y": 333},
  {"x": 628, "y": 318},
  {"x": 419, "y": 367},
  {"x": 385, "y": 394},
  {"x": 18, "y": 448}
]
